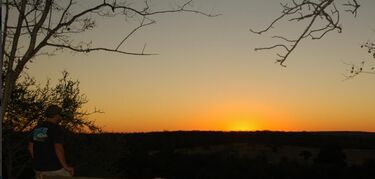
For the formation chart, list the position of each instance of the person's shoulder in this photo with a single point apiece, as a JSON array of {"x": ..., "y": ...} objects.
[
  {"x": 50, "y": 126},
  {"x": 39, "y": 125},
  {"x": 56, "y": 127},
  {"x": 53, "y": 125}
]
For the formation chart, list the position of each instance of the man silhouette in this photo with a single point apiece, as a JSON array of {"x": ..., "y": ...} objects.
[{"x": 46, "y": 146}]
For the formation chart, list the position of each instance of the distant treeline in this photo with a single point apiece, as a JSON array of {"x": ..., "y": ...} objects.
[
  {"x": 178, "y": 139},
  {"x": 212, "y": 154}
]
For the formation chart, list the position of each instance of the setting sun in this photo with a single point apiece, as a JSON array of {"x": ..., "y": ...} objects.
[{"x": 241, "y": 125}]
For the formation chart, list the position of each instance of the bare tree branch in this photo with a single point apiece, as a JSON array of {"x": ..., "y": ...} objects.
[
  {"x": 38, "y": 24},
  {"x": 365, "y": 66},
  {"x": 317, "y": 13},
  {"x": 16, "y": 36},
  {"x": 370, "y": 46},
  {"x": 356, "y": 70},
  {"x": 142, "y": 24},
  {"x": 353, "y": 7},
  {"x": 88, "y": 49}
]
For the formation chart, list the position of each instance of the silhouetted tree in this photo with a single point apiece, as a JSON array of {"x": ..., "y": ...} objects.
[
  {"x": 45, "y": 27},
  {"x": 320, "y": 17},
  {"x": 32, "y": 28},
  {"x": 26, "y": 109}
]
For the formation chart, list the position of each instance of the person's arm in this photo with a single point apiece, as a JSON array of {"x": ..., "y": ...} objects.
[
  {"x": 59, "y": 149},
  {"x": 31, "y": 149}
]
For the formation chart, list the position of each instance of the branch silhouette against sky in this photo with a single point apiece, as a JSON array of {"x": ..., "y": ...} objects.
[
  {"x": 319, "y": 17},
  {"x": 36, "y": 28}
]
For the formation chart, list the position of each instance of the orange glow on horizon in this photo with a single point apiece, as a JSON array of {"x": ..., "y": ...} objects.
[
  {"x": 241, "y": 125},
  {"x": 223, "y": 115},
  {"x": 220, "y": 115}
]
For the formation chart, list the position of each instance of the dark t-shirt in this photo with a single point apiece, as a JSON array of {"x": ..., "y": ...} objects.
[{"x": 43, "y": 137}]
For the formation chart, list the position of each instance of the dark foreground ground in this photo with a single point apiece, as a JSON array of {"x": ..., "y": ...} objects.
[{"x": 197, "y": 154}]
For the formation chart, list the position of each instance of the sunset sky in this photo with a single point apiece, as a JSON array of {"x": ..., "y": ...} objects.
[{"x": 207, "y": 75}]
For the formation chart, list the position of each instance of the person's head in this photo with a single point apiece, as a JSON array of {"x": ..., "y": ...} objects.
[{"x": 53, "y": 113}]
